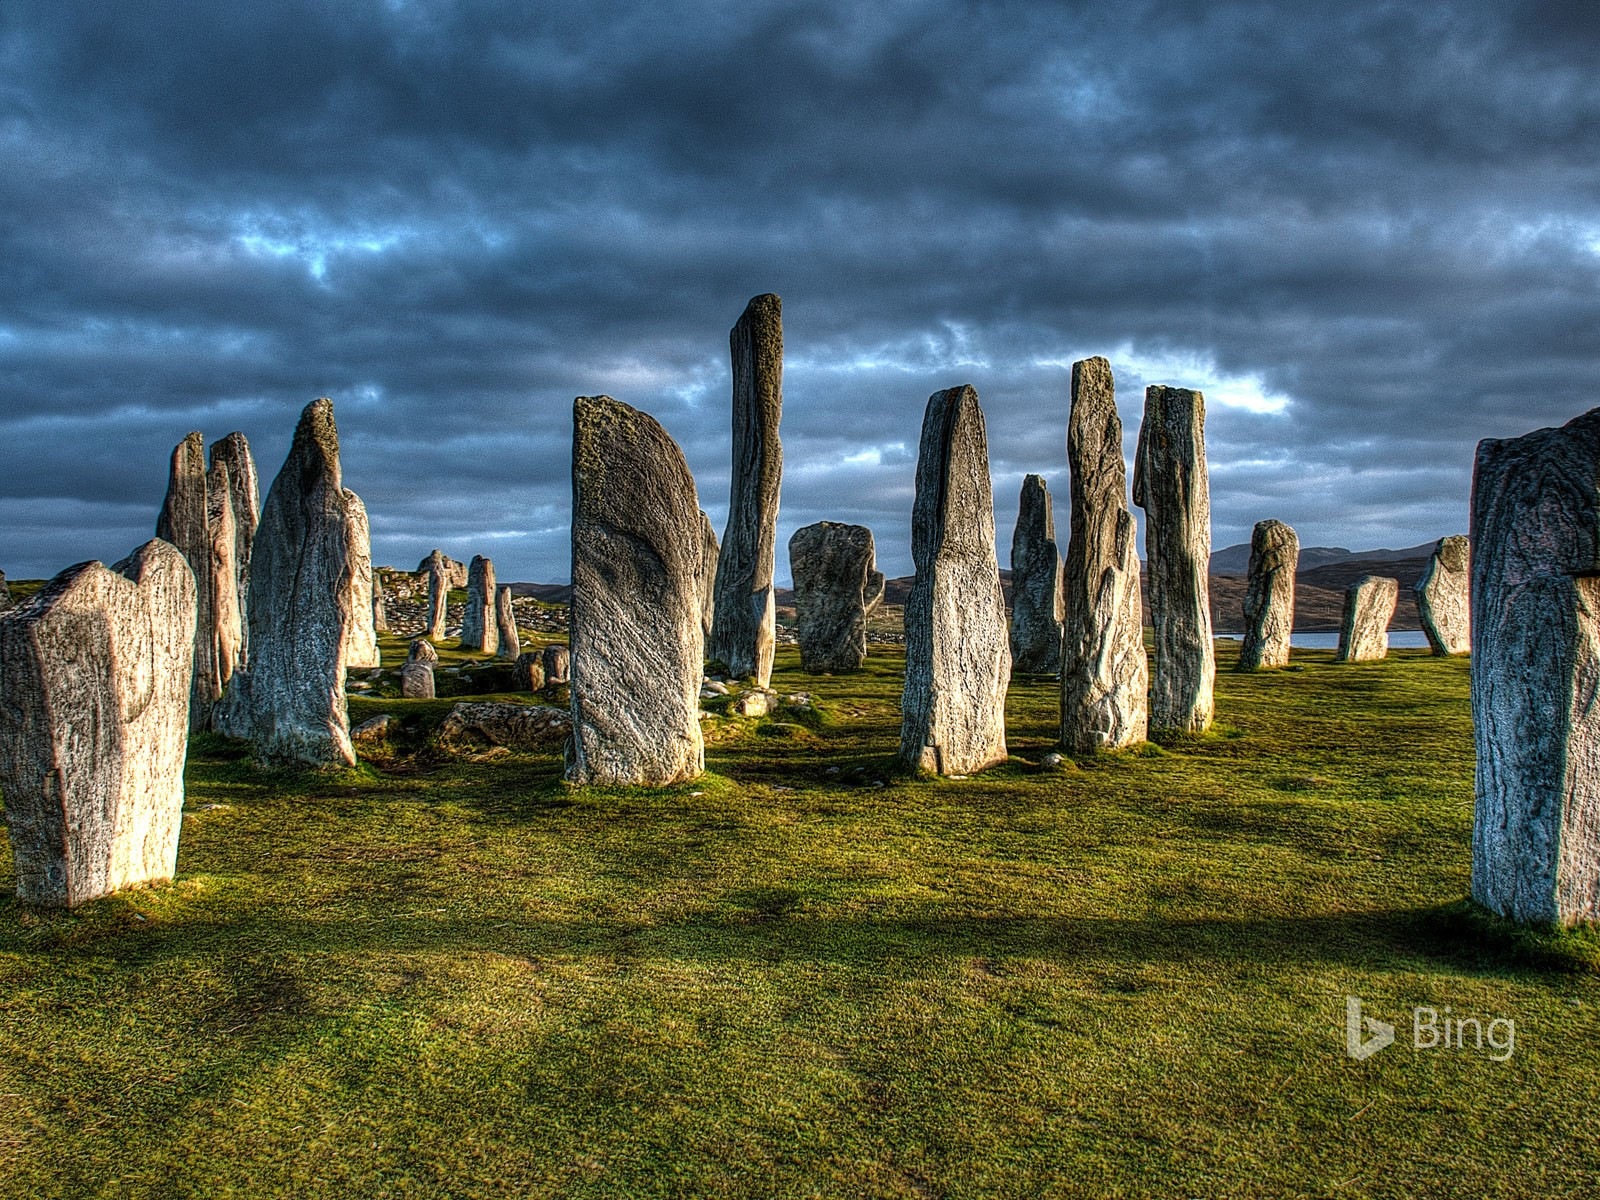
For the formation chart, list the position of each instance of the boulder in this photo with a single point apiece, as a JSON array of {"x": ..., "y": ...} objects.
[
  {"x": 711, "y": 551},
  {"x": 1269, "y": 596},
  {"x": 1170, "y": 484},
  {"x": 227, "y": 618},
  {"x": 370, "y": 733},
  {"x": 528, "y": 671},
  {"x": 478, "y": 629},
  {"x": 1036, "y": 604},
  {"x": 754, "y": 703},
  {"x": 957, "y": 657},
  {"x": 637, "y": 646},
  {"x": 744, "y": 620},
  {"x": 184, "y": 524},
  {"x": 416, "y": 680},
  {"x": 508, "y": 643},
  {"x": 514, "y": 726},
  {"x": 1368, "y": 607},
  {"x": 96, "y": 670},
  {"x": 1444, "y": 596},
  {"x": 558, "y": 663},
  {"x": 834, "y": 568},
  {"x": 1104, "y": 672},
  {"x": 362, "y": 651}
]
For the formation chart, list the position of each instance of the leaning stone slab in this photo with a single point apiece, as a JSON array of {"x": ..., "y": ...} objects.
[
  {"x": 557, "y": 664},
  {"x": 515, "y": 726},
  {"x": 416, "y": 680},
  {"x": 362, "y": 652},
  {"x": 1170, "y": 483},
  {"x": 184, "y": 524},
  {"x": 478, "y": 629},
  {"x": 744, "y": 623},
  {"x": 508, "y": 643},
  {"x": 244, "y": 499},
  {"x": 96, "y": 671},
  {"x": 1443, "y": 596},
  {"x": 1269, "y": 596},
  {"x": 1536, "y": 672},
  {"x": 957, "y": 657},
  {"x": 1104, "y": 672},
  {"x": 1368, "y": 608},
  {"x": 637, "y": 647},
  {"x": 833, "y": 567},
  {"x": 1036, "y": 605}
]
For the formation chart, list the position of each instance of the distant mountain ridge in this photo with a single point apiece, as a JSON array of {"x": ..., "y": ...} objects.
[{"x": 1235, "y": 560}]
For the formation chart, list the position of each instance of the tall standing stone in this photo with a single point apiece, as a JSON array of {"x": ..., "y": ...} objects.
[
  {"x": 438, "y": 594},
  {"x": 744, "y": 623},
  {"x": 477, "y": 622},
  {"x": 290, "y": 701},
  {"x": 1105, "y": 676},
  {"x": 508, "y": 642},
  {"x": 637, "y": 648},
  {"x": 711, "y": 551},
  {"x": 362, "y": 650},
  {"x": 1443, "y": 596},
  {"x": 1364, "y": 628},
  {"x": 1269, "y": 596},
  {"x": 1170, "y": 484},
  {"x": 380, "y": 615},
  {"x": 183, "y": 522},
  {"x": 244, "y": 497},
  {"x": 227, "y": 618},
  {"x": 957, "y": 657},
  {"x": 1535, "y": 673},
  {"x": 96, "y": 670},
  {"x": 1036, "y": 603},
  {"x": 836, "y": 586}
]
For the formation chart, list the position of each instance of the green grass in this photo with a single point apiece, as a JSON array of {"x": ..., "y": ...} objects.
[{"x": 1128, "y": 978}]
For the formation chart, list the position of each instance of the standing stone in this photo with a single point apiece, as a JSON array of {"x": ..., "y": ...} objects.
[
  {"x": 290, "y": 701},
  {"x": 1364, "y": 629},
  {"x": 416, "y": 680},
  {"x": 1036, "y": 605},
  {"x": 455, "y": 573},
  {"x": 477, "y": 623},
  {"x": 505, "y": 623},
  {"x": 1269, "y": 596},
  {"x": 1535, "y": 674},
  {"x": 438, "y": 594},
  {"x": 1443, "y": 596},
  {"x": 244, "y": 498},
  {"x": 362, "y": 652},
  {"x": 1170, "y": 484},
  {"x": 5, "y": 594},
  {"x": 96, "y": 670},
  {"x": 227, "y": 618},
  {"x": 744, "y": 629},
  {"x": 1105, "y": 679},
  {"x": 528, "y": 671},
  {"x": 711, "y": 552},
  {"x": 957, "y": 658},
  {"x": 183, "y": 522},
  {"x": 557, "y": 659},
  {"x": 637, "y": 649},
  {"x": 835, "y": 581},
  {"x": 380, "y": 616}
]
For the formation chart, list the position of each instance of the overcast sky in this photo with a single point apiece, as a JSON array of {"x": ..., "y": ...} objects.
[{"x": 1369, "y": 232}]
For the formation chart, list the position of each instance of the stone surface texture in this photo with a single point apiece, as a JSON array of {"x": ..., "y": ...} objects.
[
  {"x": 1105, "y": 675},
  {"x": 744, "y": 619},
  {"x": 183, "y": 523},
  {"x": 637, "y": 646},
  {"x": 514, "y": 726},
  {"x": 1368, "y": 608},
  {"x": 1036, "y": 598},
  {"x": 1170, "y": 483},
  {"x": 957, "y": 655},
  {"x": 1444, "y": 600},
  {"x": 96, "y": 670},
  {"x": 478, "y": 628},
  {"x": 1269, "y": 596},
  {"x": 508, "y": 643},
  {"x": 416, "y": 680},
  {"x": 362, "y": 652},
  {"x": 244, "y": 498},
  {"x": 834, "y": 568}
]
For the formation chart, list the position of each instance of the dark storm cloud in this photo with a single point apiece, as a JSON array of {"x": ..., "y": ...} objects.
[{"x": 1371, "y": 235}]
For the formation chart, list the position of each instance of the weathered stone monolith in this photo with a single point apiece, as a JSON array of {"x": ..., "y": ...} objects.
[
  {"x": 744, "y": 622},
  {"x": 1536, "y": 672},
  {"x": 478, "y": 630},
  {"x": 528, "y": 671},
  {"x": 833, "y": 567},
  {"x": 290, "y": 702},
  {"x": 438, "y": 594},
  {"x": 362, "y": 649},
  {"x": 5, "y": 594},
  {"x": 508, "y": 643},
  {"x": 1364, "y": 628},
  {"x": 1170, "y": 484},
  {"x": 96, "y": 670},
  {"x": 1036, "y": 605},
  {"x": 957, "y": 657},
  {"x": 455, "y": 573},
  {"x": 244, "y": 497},
  {"x": 380, "y": 615},
  {"x": 1269, "y": 596},
  {"x": 1443, "y": 596},
  {"x": 558, "y": 663},
  {"x": 637, "y": 647},
  {"x": 711, "y": 551},
  {"x": 416, "y": 680},
  {"x": 183, "y": 523},
  {"x": 227, "y": 618},
  {"x": 1105, "y": 677}
]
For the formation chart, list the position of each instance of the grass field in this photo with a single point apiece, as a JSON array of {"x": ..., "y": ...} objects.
[{"x": 1129, "y": 978}]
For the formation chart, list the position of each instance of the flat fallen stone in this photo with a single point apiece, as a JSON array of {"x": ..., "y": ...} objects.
[
  {"x": 1269, "y": 596},
  {"x": 514, "y": 726},
  {"x": 1369, "y": 605},
  {"x": 1444, "y": 596},
  {"x": 370, "y": 733}
]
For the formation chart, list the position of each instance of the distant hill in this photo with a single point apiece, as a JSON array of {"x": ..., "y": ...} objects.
[{"x": 1235, "y": 560}]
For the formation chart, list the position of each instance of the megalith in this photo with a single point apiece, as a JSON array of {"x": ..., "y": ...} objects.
[
  {"x": 744, "y": 620},
  {"x": 478, "y": 629},
  {"x": 1535, "y": 673},
  {"x": 528, "y": 671},
  {"x": 1269, "y": 596},
  {"x": 183, "y": 523},
  {"x": 362, "y": 651},
  {"x": 1105, "y": 678},
  {"x": 957, "y": 656},
  {"x": 1364, "y": 628},
  {"x": 244, "y": 498},
  {"x": 1443, "y": 596},
  {"x": 1036, "y": 605},
  {"x": 711, "y": 552},
  {"x": 438, "y": 594},
  {"x": 227, "y": 618},
  {"x": 5, "y": 594},
  {"x": 416, "y": 680},
  {"x": 637, "y": 647},
  {"x": 290, "y": 701},
  {"x": 380, "y": 615},
  {"x": 1170, "y": 484},
  {"x": 96, "y": 670},
  {"x": 558, "y": 662},
  {"x": 422, "y": 651},
  {"x": 508, "y": 643},
  {"x": 835, "y": 574}
]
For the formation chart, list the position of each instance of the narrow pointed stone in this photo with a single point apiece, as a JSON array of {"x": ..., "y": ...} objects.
[
  {"x": 244, "y": 498},
  {"x": 183, "y": 523},
  {"x": 712, "y": 552},
  {"x": 1369, "y": 605},
  {"x": 362, "y": 652},
  {"x": 1443, "y": 597},
  {"x": 1036, "y": 605},
  {"x": 833, "y": 567},
  {"x": 508, "y": 641},
  {"x": 1170, "y": 483},
  {"x": 227, "y": 618},
  {"x": 380, "y": 615},
  {"x": 744, "y": 623},
  {"x": 478, "y": 630},
  {"x": 1269, "y": 596},
  {"x": 957, "y": 657}
]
